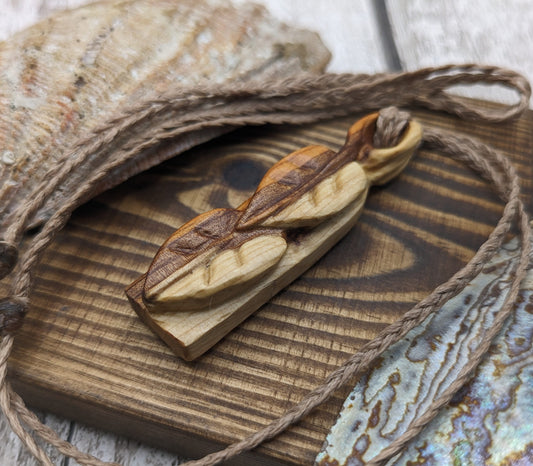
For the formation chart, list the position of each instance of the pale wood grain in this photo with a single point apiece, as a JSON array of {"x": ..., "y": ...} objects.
[
  {"x": 462, "y": 31},
  {"x": 209, "y": 275}
]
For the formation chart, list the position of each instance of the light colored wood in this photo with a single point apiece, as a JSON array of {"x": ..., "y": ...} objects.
[
  {"x": 199, "y": 285},
  {"x": 465, "y": 31},
  {"x": 205, "y": 280},
  {"x": 323, "y": 201}
]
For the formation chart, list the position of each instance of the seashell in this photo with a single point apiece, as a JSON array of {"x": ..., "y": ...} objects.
[
  {"x": 60, "y": 78},
  {"x": 489, "y": 420}
]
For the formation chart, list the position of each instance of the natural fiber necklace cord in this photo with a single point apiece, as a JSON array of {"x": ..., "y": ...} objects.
[
  {"x": 295, "y": 100},
  {"x": 274, "y": 105}
]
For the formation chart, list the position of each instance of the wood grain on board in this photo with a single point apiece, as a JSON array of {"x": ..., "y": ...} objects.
[
  {"x": 422, "y": 35},
  {"x": 84, "y": 354}
]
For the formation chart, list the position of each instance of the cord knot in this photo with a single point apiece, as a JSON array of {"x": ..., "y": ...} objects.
[
  {"x": 12, "y": 312},
  {"x": 390, "y": 125},
  {"x": 8, "y": 258}
]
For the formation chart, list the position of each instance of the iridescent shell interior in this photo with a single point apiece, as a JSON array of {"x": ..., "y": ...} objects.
[{"x": 489, "y": 420}]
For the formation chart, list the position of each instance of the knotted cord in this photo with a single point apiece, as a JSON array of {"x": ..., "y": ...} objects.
[{"x": 297, "y": 100}]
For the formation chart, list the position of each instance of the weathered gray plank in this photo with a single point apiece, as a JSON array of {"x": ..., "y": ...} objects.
[
  {"x": 109, "y": 447},
  {"x": 106, "y": 446},
  {"x": 461, "y": 31},
  {"x": 12, "y": 451}
]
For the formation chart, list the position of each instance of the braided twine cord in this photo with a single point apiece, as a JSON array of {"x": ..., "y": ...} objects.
[{"x": 297, "y": 100}]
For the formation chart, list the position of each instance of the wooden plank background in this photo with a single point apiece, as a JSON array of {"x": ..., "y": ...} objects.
[
  {"x": 481, "y": 31},
  {"x": 364, "y": 36}
]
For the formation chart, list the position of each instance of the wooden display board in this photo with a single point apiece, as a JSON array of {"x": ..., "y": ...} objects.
[{"x": 83, "y": 352}]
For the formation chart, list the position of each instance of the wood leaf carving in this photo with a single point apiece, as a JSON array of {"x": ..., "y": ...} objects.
[{"x": 220, "y": 267}]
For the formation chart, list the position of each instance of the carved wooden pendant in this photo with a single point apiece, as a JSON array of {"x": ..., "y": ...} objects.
[{"x": 221, "y": 266}]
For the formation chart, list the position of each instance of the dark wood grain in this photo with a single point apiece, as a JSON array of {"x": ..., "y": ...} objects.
[{"x": 83, "y": 353}]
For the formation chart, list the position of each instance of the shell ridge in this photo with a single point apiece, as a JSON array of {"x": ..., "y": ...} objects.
[{"x": 87, "y": 65}]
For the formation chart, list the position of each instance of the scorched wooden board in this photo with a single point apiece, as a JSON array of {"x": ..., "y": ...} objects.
[{"x": 84, "y": 354}]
